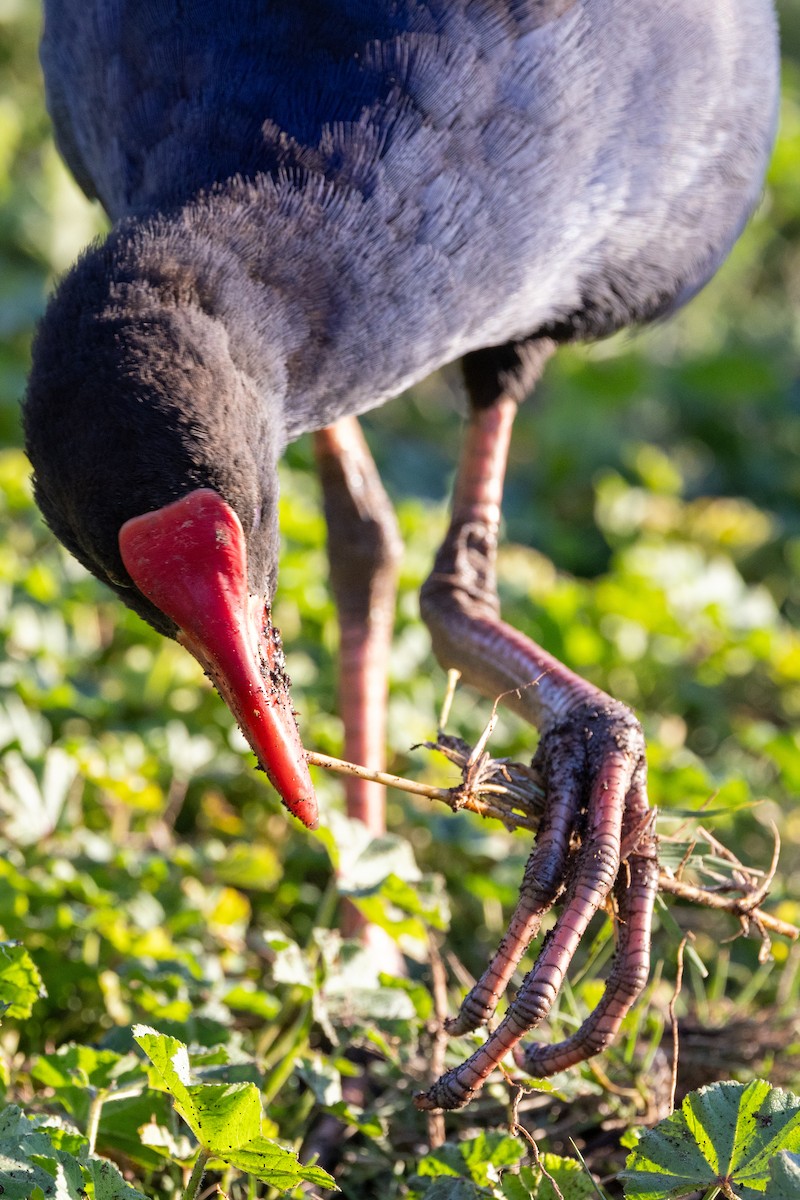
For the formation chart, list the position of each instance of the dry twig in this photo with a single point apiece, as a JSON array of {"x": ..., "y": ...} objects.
[
  {"x": 511, "y": 792},
  {"x": 435, "y": 1120}
]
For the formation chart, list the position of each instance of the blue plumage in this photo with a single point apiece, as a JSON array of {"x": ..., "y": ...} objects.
[{"x": 341, "y": 196}]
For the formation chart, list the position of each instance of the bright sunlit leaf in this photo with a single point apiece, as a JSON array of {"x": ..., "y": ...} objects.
[{"x": 726, "y": 1135}]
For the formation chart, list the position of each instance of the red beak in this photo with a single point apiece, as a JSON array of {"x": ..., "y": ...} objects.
[{"x": 190, "y": 559}]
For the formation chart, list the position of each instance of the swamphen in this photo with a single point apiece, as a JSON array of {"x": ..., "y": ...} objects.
[{"x": 315, "y": 204}]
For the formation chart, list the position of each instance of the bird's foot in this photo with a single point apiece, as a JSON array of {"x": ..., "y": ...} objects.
[{"x": 593, "y": 767}]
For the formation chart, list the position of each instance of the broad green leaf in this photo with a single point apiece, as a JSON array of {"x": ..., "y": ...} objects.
[
  {"x": 246, "y": 997},
  {"x": 480, "y": 1159},
  {"x": 225, "y": 1118},
  {"x": 420, "y": 996},
  {"x": 170, "y": 1058},
  {"x": 77, "y": 1073},
  {"x": 532, "y": 1183},
  {"x": 486, "y": 1154},
  {"x": 109, "y": 1184},
  {"x": 367, "y": 861},
  {"x": 86, "y": 1066},
  {"x": 255, "y": 868},
  {"x": 122, "y": 1120},
  {"x": 365, "y": 1123},
  {"x": 31, "y": 1157},
  {"x": 352, "y": 989},
  {"x": 322, "y": 1078},
  {"x": 67, "y": 1180},
  {"x": 784, "y": 1177},
  {"x": 514, "y": 1187},
  {"x": 289, "y": 964},
  {"x": 19, "y": 1177},
  {"x": 276, "y": 1166},
  {"x": 221, "y": 1116},
  {"x": 444, "y": 1160},
  {"x": 450, "y": 1188},
  {"x": 26, "y": 1147},
  {"x": 165, "y": 1142},
  {"x": 725, "y": 1134},
  {"x": 20, "y": 982},
  {"x": 405, "y": 908}
]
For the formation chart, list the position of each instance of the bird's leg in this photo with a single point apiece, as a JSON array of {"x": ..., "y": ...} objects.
[
  {"x": 364, "y": 550},
  {"x": 468, "y": 585},
  {"x": 591, "y": 751}
]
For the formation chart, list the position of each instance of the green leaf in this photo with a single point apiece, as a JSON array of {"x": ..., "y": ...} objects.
[
  {"x": 225, "y": 1118},
  {"x": 784, "y": 1177},
  {"x": 289, "y": 964},
  {"x": 445, "y": 1160},
  {"x": 403, "y": 908},
  {"x": 366, "y": 861},
  {"x": 69, "y": 1180},
  {"x": 322, "y": 1078},
  {"x": 221, "y": 1116},
  {"x": 480, "y": 1159},
  {"x": 20, "y": 982},
  {"x": 726, "y": 1134},
  {"x": 19, "y": 1177},
  {"x": 109, "y": 1183},
  {"x": 76, "y": 1073},
  {"x": 278, "y": 1167},
  {"x": 532, "y": 1183},
  {"x": 449, "y": 1188},
  {"x": 43, "y": 1157},
  {"x": 86, "y": 1066},
  {"x": 365, "y": 1123},
  {"x": 494, "y": 1150},
  {"x": 514, "y": 1187},
  {"x": 246, "y": 997},
  {"x": 122, "y": 1122}
]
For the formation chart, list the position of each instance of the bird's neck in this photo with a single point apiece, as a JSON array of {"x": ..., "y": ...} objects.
[{"x": 303, "y": 277}]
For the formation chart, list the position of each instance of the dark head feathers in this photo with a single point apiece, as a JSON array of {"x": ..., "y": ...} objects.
[{"x": 137, "y": 396}]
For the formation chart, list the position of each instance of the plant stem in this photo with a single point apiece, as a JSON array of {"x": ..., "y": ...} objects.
[
  {"x": 454, "y": 798},
  {"x": 198, "y": 1171},
  {"x": 283, "y": 1053},
  {"x": 93, "y": 1124}
]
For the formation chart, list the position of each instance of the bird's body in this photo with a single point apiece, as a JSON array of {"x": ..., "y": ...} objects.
[
  {"x": 412, "y": 181},
  {"x": 315, "y": 205}
]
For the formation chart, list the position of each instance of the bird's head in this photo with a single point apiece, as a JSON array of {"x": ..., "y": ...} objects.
[{"x": 154, "y": 451}]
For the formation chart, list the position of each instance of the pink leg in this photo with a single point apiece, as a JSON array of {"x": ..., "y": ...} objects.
[
  {"x": 591, "y": 752},
  {"x": 364, "y": 550}
]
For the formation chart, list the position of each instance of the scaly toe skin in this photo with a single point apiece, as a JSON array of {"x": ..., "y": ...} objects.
[
  {"x": 542, "y": 881},
  {"x": 446, "y": 1095},
  {"x": 635, "y": 891}
]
